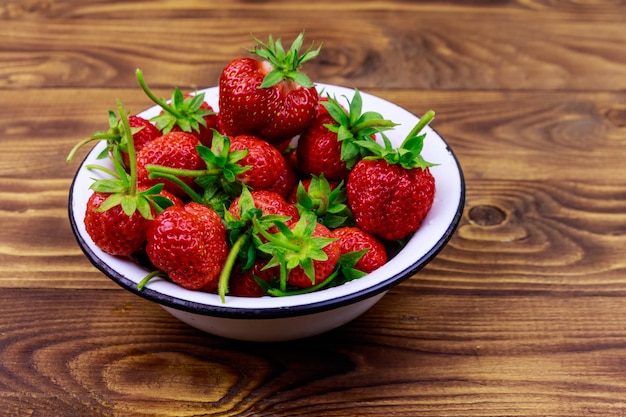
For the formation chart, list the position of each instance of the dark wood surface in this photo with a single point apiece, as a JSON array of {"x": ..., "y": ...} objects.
[{"x": 522, "y": 314}]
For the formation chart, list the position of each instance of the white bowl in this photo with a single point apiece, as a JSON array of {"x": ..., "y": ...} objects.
[{"x": 298, "y": 316}]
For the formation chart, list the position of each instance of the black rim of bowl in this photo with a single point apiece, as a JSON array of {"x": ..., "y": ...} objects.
[{"x": 274, "y": 312}]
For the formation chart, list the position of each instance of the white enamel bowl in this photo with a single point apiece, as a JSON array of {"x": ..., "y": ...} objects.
[{"x": 299, "y": 316}]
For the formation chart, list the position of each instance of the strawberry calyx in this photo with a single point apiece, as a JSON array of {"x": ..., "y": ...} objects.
[
  {"x": 181, "y": 111},
  {"x": 242, "y": 236},
  {"x": 293, "y": 247},
  {"x": 343, "y": 272},
  {"x": 328, "y": 204},
  {"x": 285, "y": 64},
  {"x": 408, "y": 154},
  {"x": 354, "y": 126},
  {"x": 122, "y": 188}
]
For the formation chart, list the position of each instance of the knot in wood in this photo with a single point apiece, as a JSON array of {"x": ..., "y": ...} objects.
[
  {"x": 617, "y": 116},
  {"x": 486, "y": 215}
]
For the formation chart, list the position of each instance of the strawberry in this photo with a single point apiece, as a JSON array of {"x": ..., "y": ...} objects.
[
  {"x": 266, "y": 162},
  {"x": 189, "y": 245},
  {"x": 391, "y": 193},
  {"x": 174, "y": 150},
  {"x": 251, "y": 211},
  {"x": 113, "y": 230},
  {"x": 119, "y": 212},
  {"x": 146, "y": 132},
  {"x": 243, "y": 283},
  {"x": 353, "y": 239},
  {"x": 303, "y": 254},
  {"x": 268, "y": 97},
  {"x": 329, "y": 145},
  {"x": 268, "y": 202},
  {"x": 184, "y": 112}
]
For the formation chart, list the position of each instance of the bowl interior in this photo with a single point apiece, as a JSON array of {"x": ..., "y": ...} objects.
[{"x": 432, "y": 236}]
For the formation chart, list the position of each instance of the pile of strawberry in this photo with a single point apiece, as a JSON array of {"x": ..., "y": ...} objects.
[{"x": 283, "y": 191}]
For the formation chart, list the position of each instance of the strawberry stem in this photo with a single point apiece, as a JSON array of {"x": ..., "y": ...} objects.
[
  {"x": 93, "y": 167},
  {"x": 421, "y": 124},
  {"x": 159, "y": 169},
  {"x": 130, "y": 149},
  {"x": 98, "y": 136},
  {"x": 141, "y": 284},
  {"x": 222, "y": 286},
  {"x": 173, "y": 178},
  {"x": 379, "y": 123},
  {"x": 159, "y": 101}
]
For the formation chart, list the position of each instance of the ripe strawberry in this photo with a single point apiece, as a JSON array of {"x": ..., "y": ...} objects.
[
  {"x": 243, "y": 283},
  {"x": 329, "y": 146},
  {"x": 250, "y": 212},
  {"x": 184, "y": 112},
  {"x": 266, "y": 162},
  {"x": 390, "y": 194},
  {"x": 269, "y": 97},
  {"x": 175, "y": 150},
  {"x": 119, "y": 212},
  {"x": 189, "y": 245},
  {"x": 268, "y": 202},
  {"x": 113, "y": 230},
  {"x": 353, "y": 239},
  {"x": 303, "y": 254},
  {"x": 146, "y": 132}
]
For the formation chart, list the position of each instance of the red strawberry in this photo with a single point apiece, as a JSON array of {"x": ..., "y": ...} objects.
[
  {"x": 353, "y": 239},
  {"x": 184, "y": 112},
  {"x": 268, "y": 202},
  {"x": 113, "y": 230},
  {"x": 243, "y": 284},
  {"x": 391, "y": 196},
  {"x": 146, "y": 133},
  {"x": 119, "y": 212},
  {"x": 323, "y": 267},
  {"x": 304, "y": 253},
  {"x": 173, "y": 150},
  {"x": 329, "y": 146},
  {"x": 249, "y": 213},
  {"x": 189, "y": 245},
  {"x": 268, "y": 98},
  {"x": 266, "y": 162}
]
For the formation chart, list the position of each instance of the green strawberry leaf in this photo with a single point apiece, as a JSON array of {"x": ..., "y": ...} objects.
[{"x": 286, "y": 63}]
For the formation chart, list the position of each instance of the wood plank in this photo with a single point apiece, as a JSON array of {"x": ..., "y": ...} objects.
[
  {"x": 412, "y": 354},
  {"x": 416, "y": 47}
]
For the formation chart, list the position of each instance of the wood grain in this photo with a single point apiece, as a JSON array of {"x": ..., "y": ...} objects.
[
  {"x": 126, "y": 356},
  {"x": 511, "y": 45},
  {"x": 522, "y": 312}
]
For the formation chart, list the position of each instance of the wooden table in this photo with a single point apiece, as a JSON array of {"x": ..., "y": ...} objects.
[{"x": 522, "y": 314}]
